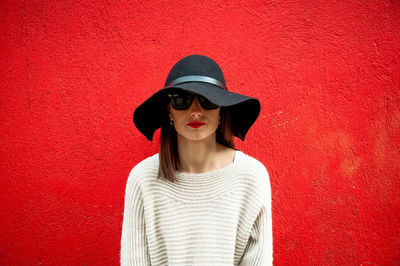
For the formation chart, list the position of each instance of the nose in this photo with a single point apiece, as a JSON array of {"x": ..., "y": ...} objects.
[{"x": 195, "y": 109}]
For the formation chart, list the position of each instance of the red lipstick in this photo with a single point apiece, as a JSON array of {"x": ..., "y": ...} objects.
[{"x": 196, "y": 124}]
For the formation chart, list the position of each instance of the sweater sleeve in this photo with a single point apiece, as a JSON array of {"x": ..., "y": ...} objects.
[
  {"x": 134, "y": 249},
  {"x": 259, "y": 245}
]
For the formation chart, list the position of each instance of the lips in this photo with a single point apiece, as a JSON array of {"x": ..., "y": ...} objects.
[{"x": 196, "y": 124}]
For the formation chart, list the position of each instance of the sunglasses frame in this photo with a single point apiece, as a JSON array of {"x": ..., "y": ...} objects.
[{"x": 201, "y": 99}]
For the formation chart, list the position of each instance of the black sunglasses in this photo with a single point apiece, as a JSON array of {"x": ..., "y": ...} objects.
[{"x": 183, "y": 100}]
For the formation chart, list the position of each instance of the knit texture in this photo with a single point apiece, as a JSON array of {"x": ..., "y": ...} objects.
[{"x": 222, "y": 217}]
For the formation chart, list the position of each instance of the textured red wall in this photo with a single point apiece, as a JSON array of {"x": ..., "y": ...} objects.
[{"x": 328, "y": 77}]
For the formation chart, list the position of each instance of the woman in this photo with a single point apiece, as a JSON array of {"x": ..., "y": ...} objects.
[{"x": 199, "y": 201}]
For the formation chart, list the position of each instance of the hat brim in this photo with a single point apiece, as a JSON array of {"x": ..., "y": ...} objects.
[{"x": 152, "y": 114}]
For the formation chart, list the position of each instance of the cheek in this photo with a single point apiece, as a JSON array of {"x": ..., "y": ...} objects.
[
  {"x": 215, "y": 115},
  {"x": 177, "y": 116}
]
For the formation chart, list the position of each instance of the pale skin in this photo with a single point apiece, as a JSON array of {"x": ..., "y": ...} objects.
[{"x": 197, "y": 147}]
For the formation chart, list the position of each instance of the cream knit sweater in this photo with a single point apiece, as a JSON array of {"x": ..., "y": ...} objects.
[{"x": 222, "y": 217}]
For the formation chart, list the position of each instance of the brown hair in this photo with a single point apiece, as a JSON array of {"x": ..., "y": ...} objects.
[{"x": 169, "y": 157}]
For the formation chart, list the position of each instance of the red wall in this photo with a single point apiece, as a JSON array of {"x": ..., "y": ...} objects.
[{"x": 328, "y": 77}]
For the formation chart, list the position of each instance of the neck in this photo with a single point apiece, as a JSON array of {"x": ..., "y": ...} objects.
[{"x": 198, "y": 156}]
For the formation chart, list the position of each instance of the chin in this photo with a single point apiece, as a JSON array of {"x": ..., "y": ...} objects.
[
  {"x": 200, "y": 136},
  {"x": 195, "y": 138}
]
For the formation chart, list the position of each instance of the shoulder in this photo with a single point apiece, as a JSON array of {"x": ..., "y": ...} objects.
[
  {"x": 250, "y": 164},
  {"x": 147, "y": 169},
  {"x": 255, "y": 173},
  {"x": 147, "y": 164}
]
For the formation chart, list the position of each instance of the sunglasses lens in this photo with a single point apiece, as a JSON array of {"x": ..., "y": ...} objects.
[
  {"x": 181, "y": 101},
  {"x": 206, "y": 104}
]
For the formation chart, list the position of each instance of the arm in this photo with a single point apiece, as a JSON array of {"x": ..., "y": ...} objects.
[
  {"x": 133, "y": 238},
  {"x": 259, "y": 245}
]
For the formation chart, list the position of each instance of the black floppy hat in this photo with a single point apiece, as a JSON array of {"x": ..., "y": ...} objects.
[{"x": 201, "y": 75}]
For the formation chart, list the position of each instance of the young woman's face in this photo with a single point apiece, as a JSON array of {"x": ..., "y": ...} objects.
[{"x": 195, "y": 123}]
